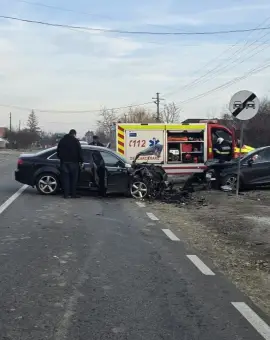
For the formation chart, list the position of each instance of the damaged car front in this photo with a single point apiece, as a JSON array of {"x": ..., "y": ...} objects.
[{"x": 148, "y": 180}]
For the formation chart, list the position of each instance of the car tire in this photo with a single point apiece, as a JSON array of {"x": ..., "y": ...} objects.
[
  {"x": 47, "y": 183},
  {"x": 230, "y": 181},
  {"x": 138, "y": 188}
]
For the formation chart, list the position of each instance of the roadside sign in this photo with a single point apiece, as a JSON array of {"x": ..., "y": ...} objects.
[{"x": 244, "y": 105}]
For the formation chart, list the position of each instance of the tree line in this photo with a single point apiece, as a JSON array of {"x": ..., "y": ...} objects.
[
  {"x": 256, "y": 130},
  {"x": 170, "y": 113},
  {"x": 30, "y": 136}
]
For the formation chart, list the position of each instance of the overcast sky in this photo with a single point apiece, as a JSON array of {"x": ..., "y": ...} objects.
[{"x": 48, "y": 68}]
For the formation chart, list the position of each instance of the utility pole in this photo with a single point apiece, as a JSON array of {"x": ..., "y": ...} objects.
[
  {"x": 10, "y": 118},
  {"x": 19, "y": 125},
  {"x": 157, "y": 101}
]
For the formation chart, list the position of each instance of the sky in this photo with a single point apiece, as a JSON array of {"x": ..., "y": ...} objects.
[{"x": 67, "y": 75}]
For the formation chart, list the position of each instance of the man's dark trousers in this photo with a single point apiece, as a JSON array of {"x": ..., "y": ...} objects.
[
  {"x": 101, "y": 174},
  {"x": 70, "y": 175}
]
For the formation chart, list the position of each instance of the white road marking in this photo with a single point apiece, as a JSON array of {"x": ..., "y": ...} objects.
[
  {"x": 140, "y": 204},
  {"x": 152, "y": 216},
  {"x": 171, "y": 235},
  {"x": 261, "y": 327},
  {"x": 200, "y": 265},
  {"x": 12, "y": 198}
]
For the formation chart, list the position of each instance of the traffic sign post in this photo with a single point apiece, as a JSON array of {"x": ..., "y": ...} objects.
[{"x": 244, "y": 105}]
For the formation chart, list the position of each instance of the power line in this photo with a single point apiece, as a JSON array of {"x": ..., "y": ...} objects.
[
  {"x": 221, "y": 65},
  {"x": 218, "y": 70},
  {"x": 104, "y": 30},
  {"x": 73, "y": 111},
  {"x": 229, "y": 83},
  {"x": 61, "y": 9}
]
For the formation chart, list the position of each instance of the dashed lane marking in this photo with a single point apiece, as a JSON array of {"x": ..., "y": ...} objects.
[
  {"x": 261, "y": 327},
  {"x": 171, "y": 235},
  {"x": 152, "y": 216},
  {"x": 12, "y": 198},
  {"x": 200, "y": 265},
  {"x": 140, "y": 204}
]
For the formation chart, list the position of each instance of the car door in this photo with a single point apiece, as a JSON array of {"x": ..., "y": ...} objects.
[
  {"x": 257, "y": 172},
  {"x": 117, "y": 173},
  {"x": 86, "y": 179}
]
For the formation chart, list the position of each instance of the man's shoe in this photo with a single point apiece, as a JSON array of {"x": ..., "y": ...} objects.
[{"x": 75, "y": 196}]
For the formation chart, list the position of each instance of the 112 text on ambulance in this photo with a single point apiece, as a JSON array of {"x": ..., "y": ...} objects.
[{"x": 137, "y": 143}]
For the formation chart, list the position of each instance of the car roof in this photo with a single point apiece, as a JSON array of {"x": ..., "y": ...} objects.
[{"x": 83, "y": 146}]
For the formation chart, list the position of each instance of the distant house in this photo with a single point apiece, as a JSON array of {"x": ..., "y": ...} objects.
[
  {"x": 3, "y": 143},
  {"x": 3, "y": 132}
]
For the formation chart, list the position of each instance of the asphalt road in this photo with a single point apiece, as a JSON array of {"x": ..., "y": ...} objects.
[
  {"x": 103, "y": 269},
  {"x": 7, "y": 184}
]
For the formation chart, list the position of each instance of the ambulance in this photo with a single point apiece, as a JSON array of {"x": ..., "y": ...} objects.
[{"x": 185, "y": 147}]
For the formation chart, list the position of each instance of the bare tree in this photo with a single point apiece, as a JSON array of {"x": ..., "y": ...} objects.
[
  {"x": 171, "y": 113},
  {"x": 105, "y": 123},
  {"x": 137, "y": 115}
]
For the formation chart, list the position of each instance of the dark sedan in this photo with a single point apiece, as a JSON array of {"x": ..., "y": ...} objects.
[
  {"x": 42, "y": 170},
  {"x": 254, "y": 170}
]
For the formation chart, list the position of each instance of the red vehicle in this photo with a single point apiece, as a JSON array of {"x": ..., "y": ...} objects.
[{"x": 185, "y": 147}]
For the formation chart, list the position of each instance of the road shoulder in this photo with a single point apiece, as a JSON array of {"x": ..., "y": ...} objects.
[{"x": 229, "y": 233}]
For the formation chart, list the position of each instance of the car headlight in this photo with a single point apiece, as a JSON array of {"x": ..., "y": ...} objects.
[{"x": 209, "y": 175}]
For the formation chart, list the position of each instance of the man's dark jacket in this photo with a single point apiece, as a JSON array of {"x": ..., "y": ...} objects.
[
  {"x": 69, "y": 150},
  {"x": 223, "y": 151}
]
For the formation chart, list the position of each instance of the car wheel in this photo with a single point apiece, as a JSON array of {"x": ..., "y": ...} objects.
[
  {"x": 138, "y": 189},
  {"x": 47, "y": 184},
  {"x": 230, "y": 181}
]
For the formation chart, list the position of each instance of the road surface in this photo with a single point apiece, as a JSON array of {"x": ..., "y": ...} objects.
[{"x": 101, "y": 269}]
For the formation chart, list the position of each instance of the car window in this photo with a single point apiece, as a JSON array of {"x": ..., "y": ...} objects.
[
  {"x": 111, "y": 160},
  {"x": 221, "y": 133},
  {"x": 262, "y": 156}
]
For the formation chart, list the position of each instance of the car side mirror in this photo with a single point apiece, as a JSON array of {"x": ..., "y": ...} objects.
[{"x": 250, "y": 162}]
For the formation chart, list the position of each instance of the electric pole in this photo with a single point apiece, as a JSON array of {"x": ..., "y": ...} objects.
[
  {"x": 10, "y": 118},
  {"x": 19, "y": 125},
  {"x": 157, "y": 101}
]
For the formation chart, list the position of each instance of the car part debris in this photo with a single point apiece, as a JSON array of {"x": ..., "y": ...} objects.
[{"x": 148, "y": 180}]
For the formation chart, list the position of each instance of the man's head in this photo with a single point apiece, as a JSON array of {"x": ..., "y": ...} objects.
[
  {"x": 95, "y": 138},
  {"x": 72, "y": 132}
]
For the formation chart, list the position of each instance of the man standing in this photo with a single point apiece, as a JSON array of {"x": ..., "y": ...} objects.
[
  {"x": 222, "y": 150},
  {"x": 69, "y": 152},
  {"x": 96, "y": 141}
]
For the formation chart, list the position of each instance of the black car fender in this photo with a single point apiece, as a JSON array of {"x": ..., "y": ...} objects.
[{"x": 44, "y": 169}]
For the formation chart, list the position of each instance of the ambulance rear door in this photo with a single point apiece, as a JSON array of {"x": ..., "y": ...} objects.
[{"x": 141, "y": 137}]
